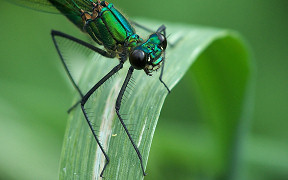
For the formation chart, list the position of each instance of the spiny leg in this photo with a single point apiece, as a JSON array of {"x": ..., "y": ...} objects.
[
  {"x": 142, "y": 27},
  {"x": 83, "y": 43},
  {"x": 151, "y": 31},
  {"x": 85, "y": 99},
  {"x": 162, "y": 29},
  {"x": 117, "y": 108}
]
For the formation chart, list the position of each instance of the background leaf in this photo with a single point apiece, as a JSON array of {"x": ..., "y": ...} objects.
[{"x": 35, "y": 93}]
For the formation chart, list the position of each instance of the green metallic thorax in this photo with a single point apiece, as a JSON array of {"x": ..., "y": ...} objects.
[
  {"x": 112, "y": 30},
  {"x": 108, "y": 27},
  {"x": 105, "y": 24}
]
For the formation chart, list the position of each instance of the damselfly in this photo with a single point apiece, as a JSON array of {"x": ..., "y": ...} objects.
[{"x": 107, "y": 27}]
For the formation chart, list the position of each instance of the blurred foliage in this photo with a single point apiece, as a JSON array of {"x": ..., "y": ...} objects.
[{"x": 32, "y": 78}]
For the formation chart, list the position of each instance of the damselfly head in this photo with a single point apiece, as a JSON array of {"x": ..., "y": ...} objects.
[{"x": 148, "y": 55}]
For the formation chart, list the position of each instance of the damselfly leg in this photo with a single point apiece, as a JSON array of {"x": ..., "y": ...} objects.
[{"x": 84, "y": 98}]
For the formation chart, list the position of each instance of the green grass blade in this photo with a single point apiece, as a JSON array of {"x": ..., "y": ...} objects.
[{"x": 82, "y": 159}]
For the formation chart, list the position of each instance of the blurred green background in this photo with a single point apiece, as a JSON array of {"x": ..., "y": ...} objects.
[{"x": 35, "y": 92}]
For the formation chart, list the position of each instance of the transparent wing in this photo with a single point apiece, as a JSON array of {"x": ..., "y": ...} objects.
[
  {"x": 51, "y": 6},
  {"x": 70, "y": 8},
  {"x": 40, "y": 5}
]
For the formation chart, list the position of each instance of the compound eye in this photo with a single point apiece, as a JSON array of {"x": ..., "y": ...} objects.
[
  {"x": 138, "y": 59},
  {"x": 163, "y": 40}
]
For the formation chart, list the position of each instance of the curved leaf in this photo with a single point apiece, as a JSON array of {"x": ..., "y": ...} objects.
[{"x": 222, "y": 73}]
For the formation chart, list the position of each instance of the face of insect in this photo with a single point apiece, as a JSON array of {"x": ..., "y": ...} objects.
[{"x": 148, "y": 55}]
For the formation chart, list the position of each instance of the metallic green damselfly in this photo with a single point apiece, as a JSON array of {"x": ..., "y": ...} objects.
[{"x": 109, "y": 28}]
